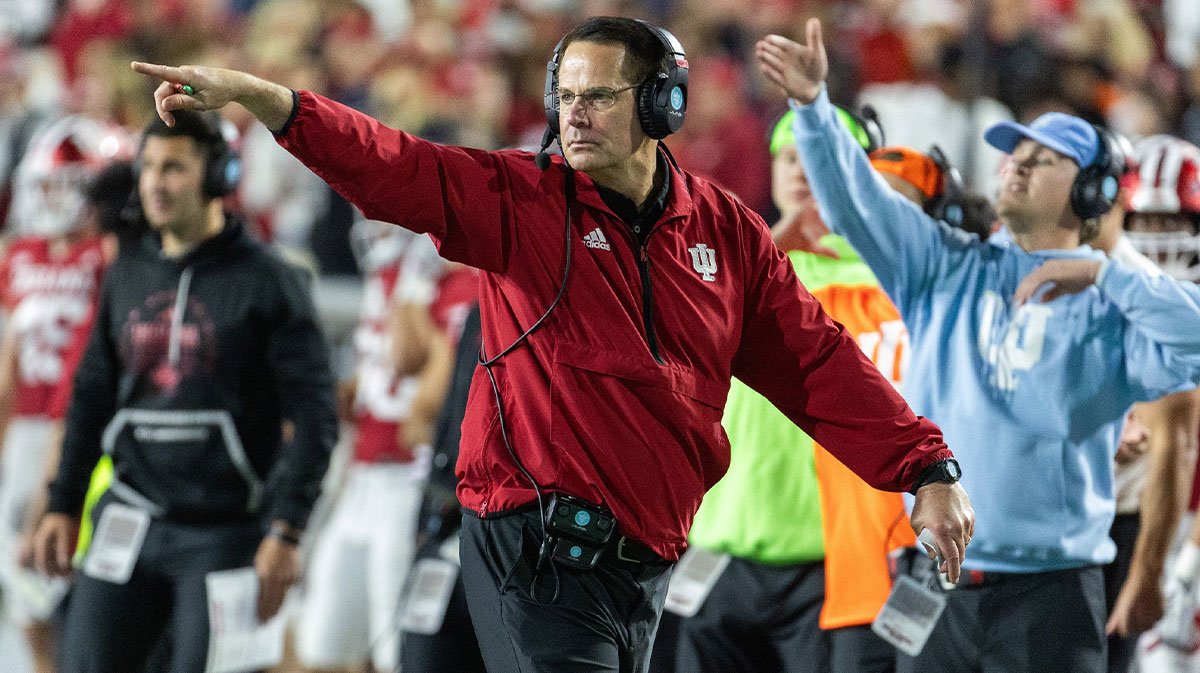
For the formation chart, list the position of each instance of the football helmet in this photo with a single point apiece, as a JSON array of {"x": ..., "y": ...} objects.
[
  {"x": 49, "y": 183},
  {"x": 1164, "y": 205}
]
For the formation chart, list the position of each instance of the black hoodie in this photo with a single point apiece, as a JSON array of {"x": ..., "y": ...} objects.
[{"x": 193, "y": 364}]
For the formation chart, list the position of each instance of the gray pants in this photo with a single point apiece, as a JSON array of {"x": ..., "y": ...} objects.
[{"x": 1051, "y": 622}]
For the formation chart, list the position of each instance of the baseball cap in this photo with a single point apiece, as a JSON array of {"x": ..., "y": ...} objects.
[
  {"x": 911, "y": 166},
  {"x": 1063, "y": 133}
]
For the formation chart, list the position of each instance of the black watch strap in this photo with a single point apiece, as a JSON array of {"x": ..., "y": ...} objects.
[{"x": 945, "y": 471}]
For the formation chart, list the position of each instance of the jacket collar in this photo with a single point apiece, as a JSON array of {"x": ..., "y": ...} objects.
[{"x": 679, "y": 198}]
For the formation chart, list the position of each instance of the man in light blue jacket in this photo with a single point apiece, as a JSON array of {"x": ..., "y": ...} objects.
[{"x": 1028, "y": 349}]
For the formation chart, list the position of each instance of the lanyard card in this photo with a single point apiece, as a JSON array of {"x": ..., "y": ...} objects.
[
  {"x": 692, "y": 580},
  {"x": 909, "y": 615},
  {"x": 237, "y": 641},
  {"x": 117, "y": 543},
  {"x": 432, "y": 586}
]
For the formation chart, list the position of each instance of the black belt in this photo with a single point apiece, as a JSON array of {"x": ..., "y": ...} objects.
[{"x": 622, "y": 549}]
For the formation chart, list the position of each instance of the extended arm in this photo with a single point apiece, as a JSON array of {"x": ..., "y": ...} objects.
[
  {"x": 816, "y": 374},
  {"x": 462, "y": 198}
]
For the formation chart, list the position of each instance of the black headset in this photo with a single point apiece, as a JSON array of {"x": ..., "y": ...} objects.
[
  {"x": 868, "y": 120},
  {"x": 661, "y": 99},
  {"x": 1094, "y": 191},
  {"x": 222, "y": 165},
  {"x": 947, "y": 206}
]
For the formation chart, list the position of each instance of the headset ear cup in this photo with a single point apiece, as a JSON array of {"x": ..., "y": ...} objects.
[
  {"x": 648, "y": 113},
  {"x": 222, "y": 174},
  {"x": 1093, "y": 193}
]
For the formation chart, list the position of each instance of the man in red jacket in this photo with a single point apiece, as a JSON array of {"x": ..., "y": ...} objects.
[{"x": 619, "y": 294}]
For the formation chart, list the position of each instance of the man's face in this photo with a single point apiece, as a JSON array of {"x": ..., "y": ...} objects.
[
  {"x": 595, "y": 140},
  {"x": 789, "y": 186},
  {"x": 1036, "y": 185},
  {"x": 170, "y": 177}
]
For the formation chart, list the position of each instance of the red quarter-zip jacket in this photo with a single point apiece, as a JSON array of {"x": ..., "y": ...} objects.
[{"x": 618, "y": 397}]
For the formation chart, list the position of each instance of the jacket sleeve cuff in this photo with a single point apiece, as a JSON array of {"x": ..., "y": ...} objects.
[
  {"x": 809, "y": 118},
  {"x": 291, "y": 116},
  {"x": 294, "y": 513},
  {"x": 915, "y": 474},
  {"x": 65, "y": 500}
]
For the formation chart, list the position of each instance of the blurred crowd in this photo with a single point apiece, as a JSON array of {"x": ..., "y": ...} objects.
[{"x": 471, "y": 73}]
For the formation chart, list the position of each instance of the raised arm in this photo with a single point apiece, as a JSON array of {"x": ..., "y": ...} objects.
[
  {"x": 463, "y": 198},
  {"x": 904, "y": 247}
]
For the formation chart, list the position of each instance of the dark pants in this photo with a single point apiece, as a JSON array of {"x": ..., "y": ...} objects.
[
  {"x": 113, "y": 627},
  {"x": 758, "y": 618},
  {"x": 453, "y": 649},
  {"x": 662, "y": 659},
  {"x": 856, "y": 649},
  {"x": 1124, "y": 532},
  {"x": 602, "y": 619},
  {"x": 1051, "y": 622}
]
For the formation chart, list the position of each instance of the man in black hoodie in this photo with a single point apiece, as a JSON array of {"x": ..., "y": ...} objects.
[{"x": 205, "y": 343}]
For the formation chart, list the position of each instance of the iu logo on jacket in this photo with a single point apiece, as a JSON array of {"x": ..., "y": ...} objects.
[{"x": 704, "y": 261}]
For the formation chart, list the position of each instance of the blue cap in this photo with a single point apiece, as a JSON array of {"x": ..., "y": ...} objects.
[{"x": 1063, "y": 133}]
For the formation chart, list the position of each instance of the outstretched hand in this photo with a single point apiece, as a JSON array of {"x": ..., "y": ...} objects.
[
  {"x": 188, "y": 87},
  {"x": 1065, "y": 276},
  {"x": 194, "y": 87},
  {"x": 799, "y": 69},
  {"x": 945, "y": 511}
]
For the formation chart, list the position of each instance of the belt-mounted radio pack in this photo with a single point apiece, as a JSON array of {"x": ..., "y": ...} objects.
[{"x": 578, "y": 530}]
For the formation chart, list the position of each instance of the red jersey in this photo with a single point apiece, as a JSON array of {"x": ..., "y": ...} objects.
[
  {"x": 618, "y": 397},
  {"x": 382, "y": 399},
  {"x": 47, "y": 302}
]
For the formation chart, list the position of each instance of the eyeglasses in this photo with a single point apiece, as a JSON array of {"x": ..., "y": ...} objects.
[{"x": 597, "y": 98}]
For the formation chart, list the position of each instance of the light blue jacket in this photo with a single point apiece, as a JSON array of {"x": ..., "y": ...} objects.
[{"x": 1031, "y": 399}]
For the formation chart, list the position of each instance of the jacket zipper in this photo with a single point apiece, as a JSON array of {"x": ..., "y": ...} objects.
[{"x": 648, "y": 300}]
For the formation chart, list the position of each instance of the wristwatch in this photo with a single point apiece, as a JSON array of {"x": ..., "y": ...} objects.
[{"x": 946, "y": 471}]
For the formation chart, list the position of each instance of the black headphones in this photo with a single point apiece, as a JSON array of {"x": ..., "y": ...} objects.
[
  {"x": 661, "y": 99},
  {"x": 222, "y": 165},
  {"x": 1094, "y": 191},
  {"x": 868, "y": 120},
  {"x": 947, "y": 206},
  {"x": 224, "y": 168}
]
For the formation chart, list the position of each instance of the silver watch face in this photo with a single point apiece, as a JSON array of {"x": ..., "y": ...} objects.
[{"x": 953, "y": 470}]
